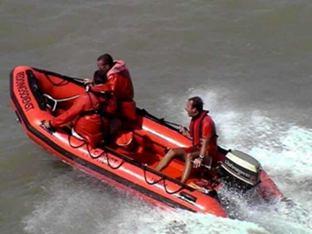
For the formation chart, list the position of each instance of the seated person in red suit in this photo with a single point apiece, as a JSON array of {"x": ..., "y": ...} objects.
[{"x": 203, "y": 134}]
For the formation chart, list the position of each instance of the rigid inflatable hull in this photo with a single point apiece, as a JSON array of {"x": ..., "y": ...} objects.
[{"x": 106, "y": 164}]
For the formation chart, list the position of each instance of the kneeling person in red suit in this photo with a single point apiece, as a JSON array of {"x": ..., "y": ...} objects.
[
  {"x": 89, "y": 116},
  {"x": 119, "y": 80}
]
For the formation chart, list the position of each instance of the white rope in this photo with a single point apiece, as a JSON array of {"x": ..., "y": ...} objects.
[{"x": 59, "y": 100}]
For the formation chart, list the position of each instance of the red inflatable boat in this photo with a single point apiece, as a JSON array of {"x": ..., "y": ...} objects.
[{"x": 37, "y": 95}]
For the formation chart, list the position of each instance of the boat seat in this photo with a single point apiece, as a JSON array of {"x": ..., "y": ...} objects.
[{"x": 176, "y": 166}]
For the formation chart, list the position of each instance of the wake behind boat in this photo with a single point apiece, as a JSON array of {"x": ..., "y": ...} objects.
[{"x": 37, "y": 95}]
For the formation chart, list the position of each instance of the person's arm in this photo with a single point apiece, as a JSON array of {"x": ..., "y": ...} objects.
[
  {"x": 101, "y": 87},
  {"x": 207, "y": 134},
  {"x": 202, "y": 152},
  {"x": 204, "y": 148}
]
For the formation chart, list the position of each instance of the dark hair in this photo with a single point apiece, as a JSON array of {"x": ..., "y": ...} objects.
[
  {"x": 99, "y": 77},
  {"x": 197, "y": 102},
  {"x": 107, "y": 59}
]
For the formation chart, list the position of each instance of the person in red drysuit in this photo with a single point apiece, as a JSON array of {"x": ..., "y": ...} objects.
[
  {"x": 119, "y": 80},
  {"x": 203, "y": 134},
  {"x": 90, "y": 116}
]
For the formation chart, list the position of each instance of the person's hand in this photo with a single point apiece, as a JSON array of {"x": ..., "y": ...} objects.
[
  {"x": 87, "y": 88},
  {"x": 197, "y": 162},
  {"x": 46, "y": 124},
  {"x": 87, "y": 81},
  {"x": 183, "y": 130}
]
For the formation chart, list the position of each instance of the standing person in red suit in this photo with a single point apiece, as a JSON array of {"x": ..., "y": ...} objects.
[
  {"x": 89, "y": 116},
  {"x": 203, "y": 134},
  {"x": 119, "y": 80}
]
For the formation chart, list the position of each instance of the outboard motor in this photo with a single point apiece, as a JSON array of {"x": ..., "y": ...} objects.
[{"x": 240, "y": 170}]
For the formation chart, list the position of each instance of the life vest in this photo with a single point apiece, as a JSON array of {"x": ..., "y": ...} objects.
[
  {"x": 118, "y": 77},
  {"x": 119, "y": 81},
  {"x": 196, "y": 130},
  {"x": 128, "y": 110}
]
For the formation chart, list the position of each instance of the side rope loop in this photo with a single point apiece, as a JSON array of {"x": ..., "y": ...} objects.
[
  {"x": 104, "y": 153},
  {"x": 84, "y": 142},
  {"x": 172, "y": 192},
  {"x": 95, "y": 156},
  {"x": 164, "y": 183},
  {"x": 152, "y": 182},
  {"x": 111, "y": 166}
]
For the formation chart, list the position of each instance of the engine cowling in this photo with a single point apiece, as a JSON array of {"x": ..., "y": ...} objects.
[{"x": 241, "y": 167}]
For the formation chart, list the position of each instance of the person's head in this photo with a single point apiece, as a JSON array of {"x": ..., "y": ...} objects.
[
  {"x": 105, "y": 62},
  {"x": 99, "y": 77},
  {"x": 194, "y": 106}
]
